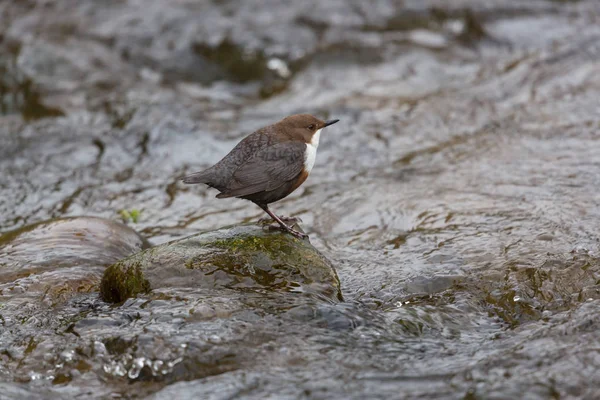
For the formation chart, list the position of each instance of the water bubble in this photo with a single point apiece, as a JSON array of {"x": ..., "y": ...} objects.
[
  {"x": 99, "y": 347},
  {"x": 174, "y": 362},
  {"x": 136, "y": 368},
  {"x": 455, "y": 27},
  {"x": 215, "y": 339},
  {"x": 115, "y": 369},
  {"x": 35, "y": 376},
  {"x": 119, "y": 370},
  {"x": 67, "y": 355},
  {"x": 157, "y": 367},
  {"x": 279, "y": 66},
  {"x": 427, "y": 38}
]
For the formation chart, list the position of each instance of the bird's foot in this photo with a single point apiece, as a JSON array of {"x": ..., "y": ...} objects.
[
  {"x": 299, "y": 235},
  {"x": 281, "y": 222},
  {"x": 291, "y": 231}
]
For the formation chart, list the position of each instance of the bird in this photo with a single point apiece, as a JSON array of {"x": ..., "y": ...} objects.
[{"x": 268, "y": 164}]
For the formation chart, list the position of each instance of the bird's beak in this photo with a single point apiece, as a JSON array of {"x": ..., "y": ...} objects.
[{"x": 330, "y": 122}]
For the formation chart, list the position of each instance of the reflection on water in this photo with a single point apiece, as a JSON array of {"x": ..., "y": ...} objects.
[{"x": 457, "y": 195}]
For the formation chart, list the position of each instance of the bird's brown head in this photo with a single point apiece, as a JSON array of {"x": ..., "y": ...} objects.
[{"x": 304, "y": 127}]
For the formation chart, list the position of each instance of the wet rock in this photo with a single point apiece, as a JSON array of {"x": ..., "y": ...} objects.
[
  {"x": 546, "y": 237},
  {"x": 430, "y": 285},
  {"x": 66, "y": 242},
  {"x": 559, "y": 283},
  {"x": 63, "y": 256},
  {"x": 245, "y": 258}
]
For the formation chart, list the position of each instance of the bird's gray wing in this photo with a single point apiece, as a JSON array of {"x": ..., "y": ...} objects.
[
  {"x": 268, "y": 169},
  {"x": 219, "y": 174}
]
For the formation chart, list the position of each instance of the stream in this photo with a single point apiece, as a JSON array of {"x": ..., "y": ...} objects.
[{"x": 457, "y": 197}]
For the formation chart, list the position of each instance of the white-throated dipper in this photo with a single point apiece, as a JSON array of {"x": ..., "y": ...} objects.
[{"x": 268, "y": 164}]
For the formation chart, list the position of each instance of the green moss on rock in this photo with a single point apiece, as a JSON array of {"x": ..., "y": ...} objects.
[
  {"x": 123, "y": 281},
  {"x": 241, "y": 258}
]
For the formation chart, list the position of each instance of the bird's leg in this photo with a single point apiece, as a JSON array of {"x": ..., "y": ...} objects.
[{"x": 294, "y": 232}]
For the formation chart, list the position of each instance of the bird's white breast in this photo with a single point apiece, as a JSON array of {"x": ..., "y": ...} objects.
[{"x": 311, "y": 151}]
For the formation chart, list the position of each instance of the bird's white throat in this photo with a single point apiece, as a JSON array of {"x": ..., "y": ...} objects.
[{"x": 311, "y": 151}]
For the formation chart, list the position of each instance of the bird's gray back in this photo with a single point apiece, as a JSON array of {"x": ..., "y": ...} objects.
[{"x": 222, "y": 171}]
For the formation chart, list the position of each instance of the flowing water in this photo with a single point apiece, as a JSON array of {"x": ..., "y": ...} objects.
[{"x": 457, "y": 196}]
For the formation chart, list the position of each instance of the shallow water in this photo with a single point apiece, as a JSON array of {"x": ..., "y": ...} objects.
[{"x": 457, "y": 196}]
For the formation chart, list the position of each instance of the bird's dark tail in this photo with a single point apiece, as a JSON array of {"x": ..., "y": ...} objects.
[{"x": 198, "y": 177}]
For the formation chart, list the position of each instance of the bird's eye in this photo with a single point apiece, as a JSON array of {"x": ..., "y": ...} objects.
[{"x": 311, "y": 127}]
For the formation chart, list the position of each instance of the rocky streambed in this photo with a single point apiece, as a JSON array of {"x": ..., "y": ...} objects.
[{"x": 453, "y": 212}]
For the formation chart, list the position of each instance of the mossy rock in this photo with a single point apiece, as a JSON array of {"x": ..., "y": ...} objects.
[{"x": 245, "y": 258}]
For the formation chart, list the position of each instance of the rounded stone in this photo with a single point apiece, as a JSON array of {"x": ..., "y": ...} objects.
[
  {"x": 245, "y": 258},
  {"x": 63, "y": 256}
]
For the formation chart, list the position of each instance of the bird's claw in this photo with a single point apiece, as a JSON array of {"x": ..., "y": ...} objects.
[
  {"x": 291, "y": 231},
  {"x": 299, "y": 235}
]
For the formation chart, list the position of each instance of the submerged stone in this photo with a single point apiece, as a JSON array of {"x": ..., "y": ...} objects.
[
  {"x": 245, "y": 258},
  {"x": 65, "y": 243},
  {"x": 59, "y": 257}
]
